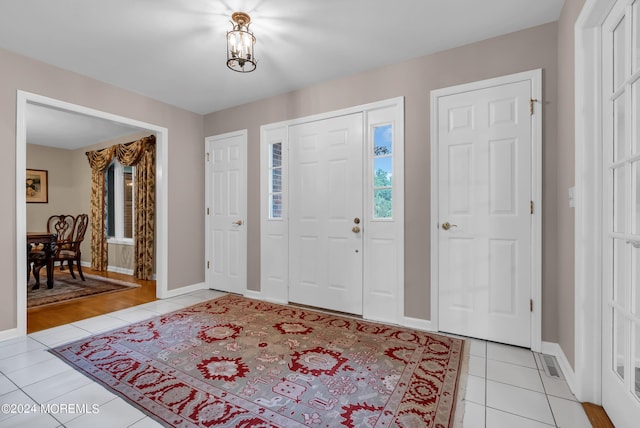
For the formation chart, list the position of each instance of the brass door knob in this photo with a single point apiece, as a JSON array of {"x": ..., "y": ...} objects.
[
  {"x": 356, "y": 220},
  {"x": 355, "y": 229},
  {"x": 447, "y": 225}
]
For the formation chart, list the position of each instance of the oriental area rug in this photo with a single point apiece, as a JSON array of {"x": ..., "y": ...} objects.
[
  {"x": 66, "y": 288},
  {"x": 237, "y": 362}
]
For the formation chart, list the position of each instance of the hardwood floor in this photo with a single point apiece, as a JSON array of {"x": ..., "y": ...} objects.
[
  {"x": 597, "y": 416},
  {"x": 63, "y": 313}
]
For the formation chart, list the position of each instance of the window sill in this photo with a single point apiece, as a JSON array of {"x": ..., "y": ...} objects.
[{"x": 120, "y": 241}]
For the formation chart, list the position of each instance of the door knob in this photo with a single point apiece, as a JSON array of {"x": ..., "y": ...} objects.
[
  {"x": 238, "y": 222},
  {"x": 355, "y": 229},
  {"x": 356, "y": 220},
  {"x": 447, "y": 225}
]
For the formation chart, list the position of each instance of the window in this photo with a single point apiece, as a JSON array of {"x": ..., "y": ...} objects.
[
  {"x": 382, "y": 172},
  {"x": 120, "y": 202},
  {"x": 275, "y": 181}
]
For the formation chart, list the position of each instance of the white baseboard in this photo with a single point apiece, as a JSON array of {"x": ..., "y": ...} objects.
[
  {"x": 184, "y": 290},
  {"x": 119, "y": 270},
  {"x": 252, "y": 294},
  {"x": 12, "y": 333},
  {"x": 550, "y": 348},
  {"x": 417, "y": 323}
]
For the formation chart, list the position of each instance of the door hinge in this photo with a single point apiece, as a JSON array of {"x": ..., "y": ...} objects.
[
  {"x": 531, "y": 207},
  {"x": 531, "y": 305},
  {"x": 207, "y": 211},
  {"x": 208, "y": 265},
  {"x": 207, "y": 156},
  {"x": 531, "y": 102}
]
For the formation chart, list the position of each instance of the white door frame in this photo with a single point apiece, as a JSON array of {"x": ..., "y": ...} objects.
[
  {"x": 535, "y": 76},
  {"x": 588, "y": 201},
  {"x": 210, "y": 141},
  {"x": 161, "y": 243}
]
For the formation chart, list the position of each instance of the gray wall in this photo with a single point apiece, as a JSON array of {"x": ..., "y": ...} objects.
[
  {"x": 185, "y": 170},
  {"x": 525, "y": 50}
]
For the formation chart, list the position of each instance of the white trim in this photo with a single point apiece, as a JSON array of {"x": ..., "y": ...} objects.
[
  {"x": 11, "y": 333},
  {"x": 162, "y": 139},
  {"x": 185, "y": 290},
  {"x": 117, "y": 269},
  {"x": 418, "y": 324},
  {"x": 257, "y": 295},
  {"x": 551, "y": 348},
  {"x": 535, "y": 77},
  {"x": 588, "y": 201}
]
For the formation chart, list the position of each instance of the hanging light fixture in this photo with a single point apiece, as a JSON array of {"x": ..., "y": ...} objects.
[{"x": 240, "y": 44}]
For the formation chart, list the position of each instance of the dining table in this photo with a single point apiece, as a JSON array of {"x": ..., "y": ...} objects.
[{"x": 48, "y": 241}]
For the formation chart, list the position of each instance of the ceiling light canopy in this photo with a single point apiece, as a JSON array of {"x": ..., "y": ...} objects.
[{"x": 240, "y": 43}]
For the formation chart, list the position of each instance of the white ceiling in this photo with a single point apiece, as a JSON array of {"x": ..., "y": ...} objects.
[{"x": 174, "y": 50}]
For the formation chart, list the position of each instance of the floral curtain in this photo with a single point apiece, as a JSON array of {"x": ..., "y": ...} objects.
[{"x": 140, "y": 154}]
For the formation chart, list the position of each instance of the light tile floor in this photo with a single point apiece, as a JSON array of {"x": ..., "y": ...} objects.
[{"x": 506, "y": 386}]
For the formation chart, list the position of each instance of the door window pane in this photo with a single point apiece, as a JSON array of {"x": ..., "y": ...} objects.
[
  {"x": 619, "y": 117},
  {"x": 619, "y": 271},
  {"x": 635, "y": 277},
  {"x": 636, "y": 36},
  {"x": 636, "y": 365},
  {"x": 383, "y": 205},
  {"x": 635, "y": 198},
  {"x": 635, "y": 117},
  {"x": 619, "y": 54},
  {"x": 382, "y": 140},
  {"x": 383, "y": 172},
  {"x": 619, "y": 199},
  {"x": 618, "y": 344}
]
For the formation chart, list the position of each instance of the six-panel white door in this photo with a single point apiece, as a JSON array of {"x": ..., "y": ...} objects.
[
  {"x": 227, "y": 185},
  {"x": 325, "y": 203},
  {"x": 484, "y": 224}
]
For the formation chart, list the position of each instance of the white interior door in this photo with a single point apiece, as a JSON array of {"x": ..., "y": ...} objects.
[
  {"x": 621, "y": 194},
  {"x": 227, "y": 193},
  {"x": 484, "y": 190},
  {"x": 325, "y": 189}
]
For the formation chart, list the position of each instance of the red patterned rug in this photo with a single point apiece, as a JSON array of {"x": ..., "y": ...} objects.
[{"x": 237, "y": 362}]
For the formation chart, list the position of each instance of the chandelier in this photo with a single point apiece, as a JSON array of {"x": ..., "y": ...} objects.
[{"x": 240, "y": 44}]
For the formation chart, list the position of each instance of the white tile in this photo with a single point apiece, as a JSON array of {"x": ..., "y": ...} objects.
[
  {"x": 478, "y": 347},
  {"x": 90, "y": 395},
  {"x": 26, "y": 359},
  {"x": 519, "y": 401},
  {"x": 134, "y": 314},
  {"x": 161, "y": 306},
  {"x": 499, "y": 419},
  {"x": 523, "y": 377},
  {"x": 31, "y": 420},
  {"x": 208, "y": 294},
  {"x": 568, "y": 413},
  {"x": 475, "y": 389},
  {"x": 511, "y": 354},
  {"x": 186, "y": 300},
  {"x": 146, "y": 423},
  {"x": 473, "y": 415},
  {"x": 6, "y": 385},
  {"x": 38, "y": 372},
  {"x": 556, "y": 387},
  {"x": 115, "y": 413},
  {"x": 17, "y": 398},
  {"x": 477, "y": 366},
  {"x": 58, "y": 335},
  {"x": 57, "y": 385},
  {"x": 100, "y": 324},
  {"x": 19, "y": 345}
]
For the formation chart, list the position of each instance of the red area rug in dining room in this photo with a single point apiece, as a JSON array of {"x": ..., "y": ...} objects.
[{"x": 237, "y": 362}]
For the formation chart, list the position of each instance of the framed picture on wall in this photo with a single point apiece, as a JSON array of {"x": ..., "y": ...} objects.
[{"x": 37, "y": 186}]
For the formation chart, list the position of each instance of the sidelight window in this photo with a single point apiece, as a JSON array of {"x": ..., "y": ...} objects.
[
  {"x": 383, "y": 172},
  {"x": 275, "y": 181}
]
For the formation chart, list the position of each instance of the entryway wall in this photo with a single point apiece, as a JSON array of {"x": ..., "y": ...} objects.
[{"x": 414, "y": 80}]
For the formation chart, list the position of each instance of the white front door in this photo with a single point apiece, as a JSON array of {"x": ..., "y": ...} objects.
[
  {"x": 226, "y": 212},
  {"x": 484, "y": 225},
  {"x": 621, "y": 194},
  {"x": 326, "y": 213}
]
